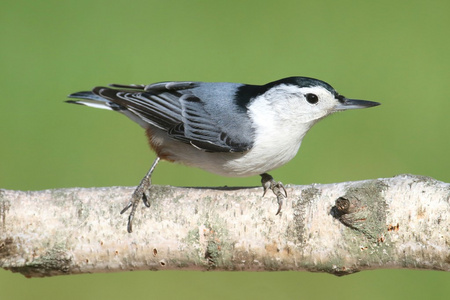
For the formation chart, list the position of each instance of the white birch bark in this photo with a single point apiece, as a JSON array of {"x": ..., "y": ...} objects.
[{"x": 400, "y": 222}]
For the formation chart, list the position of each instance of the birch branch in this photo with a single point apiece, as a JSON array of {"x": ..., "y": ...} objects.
[{"x": 400, "y": 222}]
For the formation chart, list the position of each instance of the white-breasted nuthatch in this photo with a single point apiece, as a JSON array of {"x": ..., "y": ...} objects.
[{"x": 230, "y": 129}]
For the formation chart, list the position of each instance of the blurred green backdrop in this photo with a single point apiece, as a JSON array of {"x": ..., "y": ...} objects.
[{"x": 394, "y": 52}]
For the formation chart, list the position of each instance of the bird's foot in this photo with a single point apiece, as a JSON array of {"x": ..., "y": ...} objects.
[
  {"x": 277, "y": 188},
  {"x": 139, "y": 193}
]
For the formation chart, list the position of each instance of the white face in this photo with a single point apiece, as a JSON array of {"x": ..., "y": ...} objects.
[
  {"x": 284, "y": 114},
  {"x": 302, "y": 105}
]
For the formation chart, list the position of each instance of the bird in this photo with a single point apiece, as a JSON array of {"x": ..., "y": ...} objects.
[{"x": 229, "y": 129}]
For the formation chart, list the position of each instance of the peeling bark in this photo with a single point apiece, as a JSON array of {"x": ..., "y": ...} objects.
[{"x": 342, "y": 228}]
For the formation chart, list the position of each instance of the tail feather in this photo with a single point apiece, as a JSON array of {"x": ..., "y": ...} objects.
[
  {"x": 128, "y": 86},
  {"x": 92, "y": 100}
]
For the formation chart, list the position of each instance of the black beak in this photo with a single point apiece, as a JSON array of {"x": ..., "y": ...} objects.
[{"x": 345, "y": 104}]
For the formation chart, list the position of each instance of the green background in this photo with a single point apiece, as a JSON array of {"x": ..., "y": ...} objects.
[{"x": 394, "y": 52}]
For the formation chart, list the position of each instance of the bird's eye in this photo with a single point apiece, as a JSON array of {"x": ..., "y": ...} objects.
[{"x": 312, "y": 98}]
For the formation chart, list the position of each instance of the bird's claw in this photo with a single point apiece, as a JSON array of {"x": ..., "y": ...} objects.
[
  {"x": 266, "y": 186},
  {"x": 126, "y": 207},
  {"x": 277, "y": 188},
  {"x": 130, "y": 223},
  {"x": 145, "y": 200},
  {"x": 139, "y": 194}
]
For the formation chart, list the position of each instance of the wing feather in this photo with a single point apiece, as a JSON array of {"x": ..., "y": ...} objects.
[{"x": 175, "y": 108}]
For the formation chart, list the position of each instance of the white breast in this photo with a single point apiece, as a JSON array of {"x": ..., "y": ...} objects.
[{"x": 278, "y": 137}]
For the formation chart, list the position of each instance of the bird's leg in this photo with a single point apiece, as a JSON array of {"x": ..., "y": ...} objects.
[
  {"x": 139, "y": 194},
  {"x": 277, "y": 188}
]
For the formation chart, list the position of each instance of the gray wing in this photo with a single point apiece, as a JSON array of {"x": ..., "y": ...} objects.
[{"x": 191, "y": 112}]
